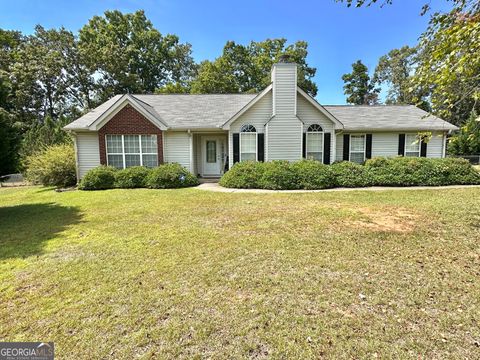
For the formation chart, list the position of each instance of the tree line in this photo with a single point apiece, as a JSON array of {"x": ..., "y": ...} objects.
[
  {"x": 53, "y": 76},
  {"x": 440, "y": 74}
]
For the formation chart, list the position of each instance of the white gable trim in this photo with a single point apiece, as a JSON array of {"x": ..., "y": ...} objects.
[
  {"x": 320, "y": 108},
  {"x": 119, "y": 105},
  {"x": 226, "y": 125}
]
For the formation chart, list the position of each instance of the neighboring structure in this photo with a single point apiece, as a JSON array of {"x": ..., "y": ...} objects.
[{"x": 209, "y": 133}]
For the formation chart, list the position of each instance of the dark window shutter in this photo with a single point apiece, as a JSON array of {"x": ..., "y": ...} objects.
[
  {"x": 346, "y": 147},
  {"x": 368, "y": 147},
  {"x": 423, "y": 149},
  {"x": 261, "y": 147},
  {"x": 304, "y": 149},
  {"x": 236, "y": 148},
  {"x": 401, "y": 144},
  {"x": 326, "y": 148}
]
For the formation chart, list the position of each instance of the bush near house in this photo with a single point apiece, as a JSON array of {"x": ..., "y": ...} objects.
[
  {"x": 279, "y": 175},
  {"x": 313, "y": 175},
  {"x": 170, "y": 176},
  {"x": 132, "y": 177},
  {"x": 244, "y": 175},
  {"x": 54, "y": 166},
  {"x": 165, "y": 176},
  {"x": 99, "y": 178},
  {"x": 310, "y": 174},
  {"x": 350, "y": 174},
  {"x": 421, "y": 171}
]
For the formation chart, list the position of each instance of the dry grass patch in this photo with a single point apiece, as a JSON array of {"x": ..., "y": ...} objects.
[{"x": 387, "y": 219}]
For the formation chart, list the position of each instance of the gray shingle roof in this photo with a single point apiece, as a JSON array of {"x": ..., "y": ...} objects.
[
  {"x": 212, "y": 111},
  {"x": 387, "y": 117},
  {"x": 179, "y": 111},
  {"x": 86, "y": 120}
]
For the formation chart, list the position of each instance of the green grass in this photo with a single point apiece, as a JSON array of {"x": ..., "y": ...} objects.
[{"x": 185, "y": 273}]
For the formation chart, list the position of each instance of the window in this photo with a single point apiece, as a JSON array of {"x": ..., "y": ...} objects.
[
  {"x": 314, "y": 138},
  {"x": 132, "y": 150},
  {"x": 248, "y": 143},
  {"x": 357, "y": 148},
  {"x": 412, "y": 145}
]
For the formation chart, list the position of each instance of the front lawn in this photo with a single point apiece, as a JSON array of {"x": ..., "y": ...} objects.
[{"x": 182, "y": 273}]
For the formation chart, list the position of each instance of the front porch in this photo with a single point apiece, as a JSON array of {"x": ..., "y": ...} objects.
[{"x": 210, "y": 154}]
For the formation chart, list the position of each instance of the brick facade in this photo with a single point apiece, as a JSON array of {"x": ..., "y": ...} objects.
[{"x": 128, "y": 121}]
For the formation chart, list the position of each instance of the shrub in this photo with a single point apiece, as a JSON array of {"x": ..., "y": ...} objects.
[
  {"x": 350, "y": 174},
  {"x": 169, "y": 176},
  {"x": 132, "y": 177},
  {"x": 243, "y": 175},
  {"x": 414, "y": 171},
  {"x": 278, "y": 175},
  {"x": 55, "y": 166},
  {"x": 99, "y": 178},
  {"x": 310, "y": 174},
  {"x": 313, "y": 174},
  {"x": 456, "y": 171}
]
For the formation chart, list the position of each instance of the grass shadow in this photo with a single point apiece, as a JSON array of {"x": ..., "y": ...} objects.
[{"x": 25, "y": 228}]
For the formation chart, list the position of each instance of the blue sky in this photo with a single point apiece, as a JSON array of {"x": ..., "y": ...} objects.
[{"x": 337, "y": 35}]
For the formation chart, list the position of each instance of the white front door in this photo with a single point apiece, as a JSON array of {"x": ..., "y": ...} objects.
[{"x": 212, "y": 154}]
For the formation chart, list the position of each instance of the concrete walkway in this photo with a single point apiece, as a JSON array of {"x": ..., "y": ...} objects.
[{"x": 217, "y": 188}]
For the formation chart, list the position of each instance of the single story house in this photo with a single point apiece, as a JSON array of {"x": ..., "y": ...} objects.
[{"x": 209, "y": 133}]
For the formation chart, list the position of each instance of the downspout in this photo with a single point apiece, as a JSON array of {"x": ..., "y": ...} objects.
[
  {"x": 77, "y": 168},
  {"x": 192, "y": 170}
]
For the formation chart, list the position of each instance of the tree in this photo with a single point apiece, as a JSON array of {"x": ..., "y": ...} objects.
[
  {"x": 128, "y": 55},
  {"x": 358, "y": 86},
  {"x": 173, "y": 88},
  {"x": 246, "y": 68},
  {"x": 10, "y": 131},
  {"x": 9, "y": 144},
  {"x": 47, "y": 133},
  {"x": 447, "y": 68},
  {"x": 449, "y": 64},
  {"x": 467, "y": 140},
  {"x": 395, "y": 69}
]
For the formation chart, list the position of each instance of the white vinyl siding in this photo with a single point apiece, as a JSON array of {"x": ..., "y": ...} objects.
[
  {"x": 310, "y": 115},
  {"x": 258, "y": 115},
  {"x": 385, "y": 144},
  {"x": 284, "y": 130},
  {"x": 284, "y": 141},
  {"x": 284, "y": 78},
  {"x": 435, "y": 147},
  {"x": 177, "y": 147},
  {"x": 88, "y": 152}
]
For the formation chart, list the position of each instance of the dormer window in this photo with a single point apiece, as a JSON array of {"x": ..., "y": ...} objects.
[
  {"x": 314, "y": 139},
  {"x": 248, "y": 143}
]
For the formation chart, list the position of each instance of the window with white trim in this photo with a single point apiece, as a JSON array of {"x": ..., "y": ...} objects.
[
  {"x": 314, "y": 145},
  {"x": 412, "y": 145},
  {"x": 132, "y": 150},
  {"x": 248, "y": 143},
  {"x": 357, "y": 148}
]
